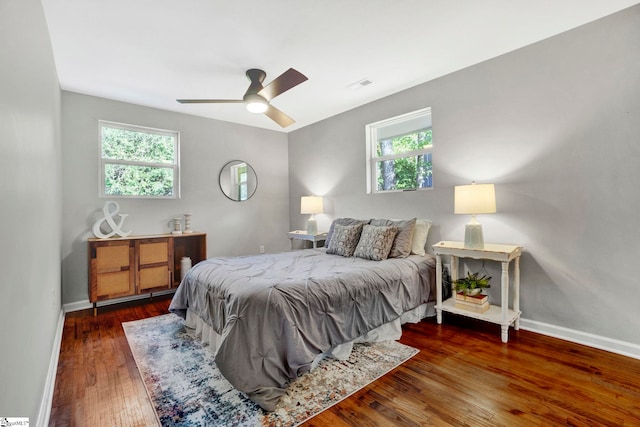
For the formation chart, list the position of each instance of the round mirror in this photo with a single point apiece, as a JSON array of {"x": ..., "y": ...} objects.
[{"x": 238, "y": 180}]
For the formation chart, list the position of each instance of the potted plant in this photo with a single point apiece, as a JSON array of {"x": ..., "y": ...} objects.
[{"x": 473, "y": 284}]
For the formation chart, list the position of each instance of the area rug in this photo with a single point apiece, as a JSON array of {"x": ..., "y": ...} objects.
[{"x": 186, "y": 388}]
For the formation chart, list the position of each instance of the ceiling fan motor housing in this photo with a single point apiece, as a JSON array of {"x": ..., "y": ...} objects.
[{"x": 256, "y": 77}]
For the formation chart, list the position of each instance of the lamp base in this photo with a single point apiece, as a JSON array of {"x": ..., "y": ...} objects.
[
  {"x": 473, "y": 238},
  {"x": 312, "y": 226}
]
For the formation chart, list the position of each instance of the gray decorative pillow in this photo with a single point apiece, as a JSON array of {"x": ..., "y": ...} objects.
[
  {"x": 342, "y": 221},
  {"x": 402, "y": 244},
  {"x": 344, "y": 239},
  {"x": 375, "y": 242}
]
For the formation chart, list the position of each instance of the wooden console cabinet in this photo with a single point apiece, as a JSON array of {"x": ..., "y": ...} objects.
[{"x": 120, "y": 267}]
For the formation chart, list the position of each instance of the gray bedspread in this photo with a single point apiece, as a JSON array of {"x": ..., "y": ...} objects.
[{"x": 277, "y": 312}]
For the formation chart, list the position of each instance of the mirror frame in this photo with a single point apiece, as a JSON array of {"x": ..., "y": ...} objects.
[{"x": 225, "y": 177}]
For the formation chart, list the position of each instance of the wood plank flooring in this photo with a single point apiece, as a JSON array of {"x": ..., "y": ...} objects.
[{"x": 463, "y": 376}]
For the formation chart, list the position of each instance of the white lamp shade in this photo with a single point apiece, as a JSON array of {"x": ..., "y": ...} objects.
[
  {"x": 311, "y": 205},
  {"x": 475, "y": 199}
]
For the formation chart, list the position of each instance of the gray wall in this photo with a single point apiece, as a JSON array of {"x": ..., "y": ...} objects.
[
  {"x": 31, "y": 206},
  {"x": 233, "y": 228},
  {"x": 555, "y": 126}
]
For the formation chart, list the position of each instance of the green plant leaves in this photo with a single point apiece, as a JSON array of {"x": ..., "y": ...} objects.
[{"x": 472, "y": 281}]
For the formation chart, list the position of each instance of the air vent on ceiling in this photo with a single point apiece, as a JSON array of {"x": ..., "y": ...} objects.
[{"x": 359, "y": 84}]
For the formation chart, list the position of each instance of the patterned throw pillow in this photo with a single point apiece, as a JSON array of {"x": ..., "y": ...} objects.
[
  {"x": 401, "y": 247},
  {"x": 375, "y": 242},
  {"x": 344, "y": 239},
  {"x": 342, "y": 221}
]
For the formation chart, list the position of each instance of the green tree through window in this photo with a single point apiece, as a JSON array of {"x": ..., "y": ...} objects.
[
  {"x": 399, "y": 153},
  {"x": 405, "y": 173},
  {"x": 138, "y": 162}
]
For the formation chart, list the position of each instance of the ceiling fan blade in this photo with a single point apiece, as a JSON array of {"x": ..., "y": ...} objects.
[
  {"x": 209, "y": 101},
  {"x": 278, "y": 116},
  {"x": 282, "y": 83}
]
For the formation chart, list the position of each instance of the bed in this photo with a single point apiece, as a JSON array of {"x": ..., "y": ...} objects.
[{"x": 269, "y": 318}]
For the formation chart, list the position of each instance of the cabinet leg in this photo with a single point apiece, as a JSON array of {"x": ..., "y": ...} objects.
[
  {"x": 95, "y": 309},
  {"x": 505, "y": 333}
]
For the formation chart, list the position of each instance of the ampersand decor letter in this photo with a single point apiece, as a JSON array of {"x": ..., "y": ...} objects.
[{"x": 110, "y": 210}]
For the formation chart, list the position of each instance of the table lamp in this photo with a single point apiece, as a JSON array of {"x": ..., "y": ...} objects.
[
  {"x": 311, "y": 205},
  {"x": 472, "y": 200}
]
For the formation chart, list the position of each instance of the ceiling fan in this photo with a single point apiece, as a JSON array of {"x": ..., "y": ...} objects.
[{"x": 257, "y": 97}]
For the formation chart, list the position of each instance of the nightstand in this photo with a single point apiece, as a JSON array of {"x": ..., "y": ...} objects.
[
  {"x": 303, "y": 235},
  {"x": 500, "y": 314}
]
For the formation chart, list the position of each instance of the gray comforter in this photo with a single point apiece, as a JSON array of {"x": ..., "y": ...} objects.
[{"x": 276, "y": 313}]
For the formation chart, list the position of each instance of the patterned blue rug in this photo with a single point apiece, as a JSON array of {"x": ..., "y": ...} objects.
[{"x": 187, "y": 389}]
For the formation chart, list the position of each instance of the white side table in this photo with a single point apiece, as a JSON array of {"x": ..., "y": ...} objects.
[
  {"x": 500, "y": 314},
  {"x": 303, "y": 235}
]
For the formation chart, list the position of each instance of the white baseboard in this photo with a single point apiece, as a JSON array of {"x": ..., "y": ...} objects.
[
  {"x": 77, "y": 306},
  {"x": 85, "y": 304},
  {"x": 591, "y": 340},
  {"x": 50, "y": 384}
]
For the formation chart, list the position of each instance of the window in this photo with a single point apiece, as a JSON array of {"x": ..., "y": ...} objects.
[
  {"x": 399, "y": 153},
  {"x": 138, "y": 162}
]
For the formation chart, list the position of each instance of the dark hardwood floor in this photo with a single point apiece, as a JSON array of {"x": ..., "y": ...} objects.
[{"x": 463, "y": 376}]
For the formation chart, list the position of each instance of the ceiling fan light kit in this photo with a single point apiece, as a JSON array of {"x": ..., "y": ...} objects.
[
  {"x": 257, "y": 98},
  {"x": 255, "y": 103}
]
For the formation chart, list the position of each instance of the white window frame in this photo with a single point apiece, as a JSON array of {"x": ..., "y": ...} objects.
[
  {"x": 240, "y": 181},
  {"x": 143, "y": 129},
  {"x": 372, "y": 130}
]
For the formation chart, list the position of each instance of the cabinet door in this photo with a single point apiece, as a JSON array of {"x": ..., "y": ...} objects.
[
  {"x": 153, "y": 264},
  {"x": 111, "y": 270}
]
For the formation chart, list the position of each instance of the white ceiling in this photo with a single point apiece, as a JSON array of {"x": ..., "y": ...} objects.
[{"x": 151, "y": 52}]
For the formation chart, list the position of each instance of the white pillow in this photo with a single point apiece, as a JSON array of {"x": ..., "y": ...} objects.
[{"x": 420, "y": 234}]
